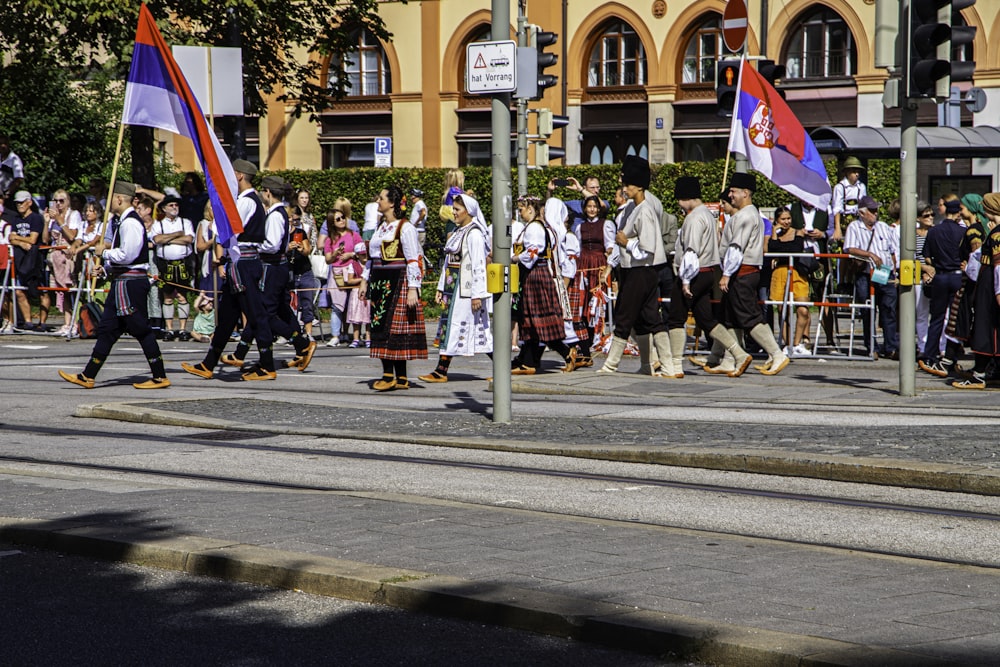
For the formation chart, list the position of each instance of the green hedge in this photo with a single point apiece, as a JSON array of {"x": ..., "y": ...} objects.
[{"x": 361, "y": 185}]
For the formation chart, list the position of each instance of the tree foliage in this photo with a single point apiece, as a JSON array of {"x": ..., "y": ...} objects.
[
  {"x": 274, "y": 35},
  {"x": 60, "y": 128}
]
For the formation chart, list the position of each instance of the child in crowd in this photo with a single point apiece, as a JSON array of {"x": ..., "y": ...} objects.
[{"x": 204, "y": 322}]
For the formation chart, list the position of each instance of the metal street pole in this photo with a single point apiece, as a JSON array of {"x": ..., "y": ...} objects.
[
  {"x": 502, "y": 211},
  {"x": 907, "y": 217},
  {"x": 907, "y": 248}
]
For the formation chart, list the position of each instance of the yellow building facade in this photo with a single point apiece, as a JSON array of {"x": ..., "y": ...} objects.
[{"x": 633, "y": 78}]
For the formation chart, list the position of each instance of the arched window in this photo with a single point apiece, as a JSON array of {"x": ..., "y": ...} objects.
[
  {"x": 821, "y": 46},
  {"x": 618, "y": 58},
  {"x": 705, "y": 48},
  {"x": 366, "y": 68}
]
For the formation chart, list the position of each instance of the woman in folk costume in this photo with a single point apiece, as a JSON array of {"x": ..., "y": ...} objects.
[
  {"x": 985, "y": 329},
  {"x": 541, "y": 313},
  {"x": 590, "y": 265},
  {"x": 391, "y": 283},
  {"x": 468, "y": 325},
  {"x": 576, "y": 335}
]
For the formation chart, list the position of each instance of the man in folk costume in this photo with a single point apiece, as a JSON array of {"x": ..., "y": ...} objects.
[
  {"x": 696, "y": 265},
  {"x": 275, "y": 294},
  {"x": 640, "y": 247},
  {"x": 742, "y": 245},
  {"x": 241, "y": 293},
  {"x": 174, "y": 240},
  {"x": 126, "y": 308}
]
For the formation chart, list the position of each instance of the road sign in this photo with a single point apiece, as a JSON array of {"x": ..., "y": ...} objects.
[
  {"x": 491, "y": 67},
  {"x": 975, "y": 99},
  {"x": 383, "y": 151},
  {"x": 734, "y": 25}
]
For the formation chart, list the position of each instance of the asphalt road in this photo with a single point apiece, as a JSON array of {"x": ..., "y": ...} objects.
[{"x": 61, "y": 610}]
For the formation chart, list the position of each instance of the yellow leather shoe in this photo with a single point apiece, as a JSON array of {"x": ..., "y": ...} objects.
[
  {"x": 155, "y": 383},
  {"x": 232, "y": 360},
  {"x": 433, "y": 376},
  {"x": 78, "y": 379},
  {"x": 523, "y": 370},
  {"x": 259, "y": 374},
  {"x": 385, "y": 384},
  {"x": 197, "y": 369},
  {"x": 306, "y": 357}
]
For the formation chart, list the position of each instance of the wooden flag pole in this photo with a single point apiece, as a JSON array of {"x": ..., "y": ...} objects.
[{"x": 111, "y": 194}]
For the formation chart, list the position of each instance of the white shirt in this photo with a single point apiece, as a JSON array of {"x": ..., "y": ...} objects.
[
  {"x": 419, "y": 221},
  {"x": 132, "y": 243},
  {"x": 880, "y": 239},
  {"x": 274, "y": 235},
  {"x": 173, "y": 251},
  {"x": 13, "y": 171}
]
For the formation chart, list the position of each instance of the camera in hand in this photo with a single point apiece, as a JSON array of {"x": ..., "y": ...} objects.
[{"x": 561, "y": 182}]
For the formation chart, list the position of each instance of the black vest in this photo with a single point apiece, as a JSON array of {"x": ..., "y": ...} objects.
[
  {"x": 254, "y": 229},
  {"x": 820, "y": 223},
  {"x": 116, "y": 240}
]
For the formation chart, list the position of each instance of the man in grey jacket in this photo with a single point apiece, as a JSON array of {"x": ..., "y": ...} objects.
[{"x": 640, "y": 246}]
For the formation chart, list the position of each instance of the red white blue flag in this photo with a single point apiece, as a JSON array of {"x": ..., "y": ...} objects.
[
  {"x": 767, "y": 132},
  {"x": 157, "y": 95}
]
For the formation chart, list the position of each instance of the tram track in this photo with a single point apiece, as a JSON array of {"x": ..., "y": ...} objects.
[{"x": 230, "y": 439}]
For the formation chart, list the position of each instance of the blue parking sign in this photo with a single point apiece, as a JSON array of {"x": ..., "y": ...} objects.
[{"x": 383, "y": 151}]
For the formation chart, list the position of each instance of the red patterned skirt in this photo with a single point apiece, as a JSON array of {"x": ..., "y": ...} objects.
[
  {"x": 540, "y": 312},
  {"x": 579, "y": 301},
  {"x": 398, "y": 331}
]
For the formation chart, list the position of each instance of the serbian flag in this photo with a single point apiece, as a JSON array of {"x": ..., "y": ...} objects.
[
  {"x": 770, "y": 136},
  {"x": 158, "y": 95}
]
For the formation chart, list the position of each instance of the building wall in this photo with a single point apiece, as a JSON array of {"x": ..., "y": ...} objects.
[{"x": 426, "y": 60}]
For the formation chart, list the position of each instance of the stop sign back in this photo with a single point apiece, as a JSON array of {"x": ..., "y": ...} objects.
[{"x": 734, "y": 25}]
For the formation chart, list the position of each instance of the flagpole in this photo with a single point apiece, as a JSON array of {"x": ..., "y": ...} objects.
[{"x": 111, "y": 193}]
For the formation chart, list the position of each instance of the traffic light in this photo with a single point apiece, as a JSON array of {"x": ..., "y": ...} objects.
[
  {"x": 541, "y": 39},
  {"x": 544, "y": 153},
  {"x": 961, "y": 35},
  {"x": 726, "y": 81},
  {"x": 548, "y": 122},
  {"x": 930, "y": 40},
  {"x": 771, "y": 72}
]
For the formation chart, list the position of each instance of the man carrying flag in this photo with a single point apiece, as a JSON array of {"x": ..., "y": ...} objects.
[{"x": 125, "y": 309}]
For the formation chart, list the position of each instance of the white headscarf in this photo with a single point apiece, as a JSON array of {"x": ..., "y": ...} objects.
[
  {"x": 555, "y": 215},
  {"x": 454, "y": 244}
]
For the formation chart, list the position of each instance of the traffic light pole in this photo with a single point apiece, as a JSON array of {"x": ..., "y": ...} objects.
[
  {"x": 502, "y": 213},
  {"x": 522, "y": 113}
]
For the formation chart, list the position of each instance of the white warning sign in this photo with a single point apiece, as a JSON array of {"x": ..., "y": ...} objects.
[{"x": 491, "y": 67}]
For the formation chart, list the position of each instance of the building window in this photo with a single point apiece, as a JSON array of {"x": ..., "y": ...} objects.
[
  {"x": 704, "y": 50},
  {"x": 618, "y": 58},
  {"x": 366, "y": 68},
  {"x": 821, "y": 46}
]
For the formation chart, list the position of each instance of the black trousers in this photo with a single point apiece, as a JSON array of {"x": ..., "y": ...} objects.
[
  {"x": 638, "y": 304},
  {"x": 700, "y": 302},
  {"x": 275, "y": 298},
  {"x": 112, "y": 326},
  {"x": 248, "y": 302},
  {"x": 739, "y": 304}
]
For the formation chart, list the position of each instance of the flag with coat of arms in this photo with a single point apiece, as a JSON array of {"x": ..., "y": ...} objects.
[{"x": 774, "y": 142}]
